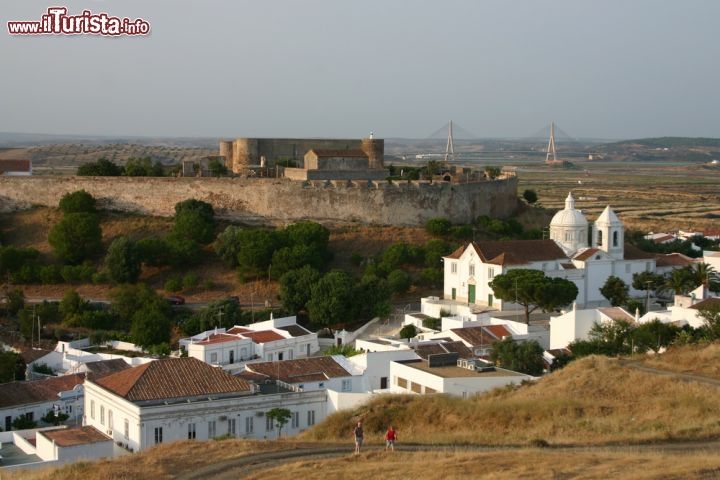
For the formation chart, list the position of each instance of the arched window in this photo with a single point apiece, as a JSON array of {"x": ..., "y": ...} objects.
[
  {"x": 615, "y": 239},
  {"x": 600, "y": 240}
]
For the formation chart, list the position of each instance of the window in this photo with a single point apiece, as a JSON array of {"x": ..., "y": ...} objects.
[
  {"x": 92, "y": 409},
  {"x": 321, "y": 385},
  {"x": 269, "y": 424},
  {"x": 295, "y": 420},
  {"x": 453, "y": 267},
  {"x": 491, "y": 272},
  {"x": 311, "y": 417},
  {"x": 472, "y": 269},
  {"x": 280, "y": 356},
  {"x": 269, "y": 358},
  {"x": 212, "y": 429},
  {"x": 627, "y": 268},
  {"x": 213, "y": 358},
  {"x": 127, "y": 428},
  {"x": 615, "y": 239},
  {"x": 231, "y": 427},
  {"x": 158, "y": 435},
  {"x": 102, "y": 415},
  {"x": 600, "y": 239},
  {"x": 110, "y": 420},
  {"x": 383, "y": 383},
  {"x": 346, "y": 385},
  {"x": 191, "y": 431},
  {"x": 249, "y": 428}
]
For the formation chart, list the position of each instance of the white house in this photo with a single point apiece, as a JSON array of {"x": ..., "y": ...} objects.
[
  {"x": 567, "y": 254},
  {"x": 72, "y": 444},
  {"x": 274, "y": 339},
  {"x": 34, "y": 399},
  {"x": 184, "y": 398},
  {"x": 445, "y": 374},
  {"x": 577, "y": 323}
]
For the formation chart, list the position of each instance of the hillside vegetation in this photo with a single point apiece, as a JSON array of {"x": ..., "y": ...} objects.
[{"x": 526, "y": 432}]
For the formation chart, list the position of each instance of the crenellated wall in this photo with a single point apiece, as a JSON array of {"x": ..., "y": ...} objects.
[{"x": 274, "y": 201}]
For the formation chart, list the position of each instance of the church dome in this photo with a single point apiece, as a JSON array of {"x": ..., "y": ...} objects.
[{"x": 569, "y": 217}]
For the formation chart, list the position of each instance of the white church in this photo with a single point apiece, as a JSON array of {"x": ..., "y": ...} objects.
[{"x": 586, "y": 254}]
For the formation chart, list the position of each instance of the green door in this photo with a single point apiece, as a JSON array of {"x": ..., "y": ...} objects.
[{"x": 471, "y": 293}]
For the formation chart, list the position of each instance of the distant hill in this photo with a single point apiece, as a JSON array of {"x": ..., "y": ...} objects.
[{"x": 669, "y": 142}]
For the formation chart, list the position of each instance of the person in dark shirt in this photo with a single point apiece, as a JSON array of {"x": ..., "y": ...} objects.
[{"x": 358, "y": 433}]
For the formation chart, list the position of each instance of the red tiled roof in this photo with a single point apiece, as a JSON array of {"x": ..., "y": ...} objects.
[
  {"x": 518, "y": 252},
  {"x": 300, "y": 370},
  {"x": 712, "y": 302},
  {"x": 498, "y": 331},
  {"x": 295, "y": 330},
  {"x": 457, "y": 253},
  {"x": 263, "y": 336},
  {"x": 476, "y": 336},
  {"x": 218, "y": 338},
  {"x": 587, "y": 253},
  {"x": 236, "y": 330},
  {"x": 172, "y": 378},
  {"x": 103, "y": 368},
  {"x": 69, "y": 437},
  {"x": 47, "y": 389},
  {"x": 673, "y": 260}
]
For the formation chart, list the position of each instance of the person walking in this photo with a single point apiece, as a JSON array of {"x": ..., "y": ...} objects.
[
  {"x": 390, "y": 437},
  {"x": 358, "y": 433}
]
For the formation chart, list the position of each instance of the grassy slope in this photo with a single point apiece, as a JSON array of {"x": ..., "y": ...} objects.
[{"x": 592, "y": 402}]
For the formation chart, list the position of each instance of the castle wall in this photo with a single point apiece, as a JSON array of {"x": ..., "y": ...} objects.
[{"x": 276, "y": 201}]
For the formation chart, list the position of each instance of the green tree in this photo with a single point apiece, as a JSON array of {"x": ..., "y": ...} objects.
[
  {"x": 217, "y": 168},
  {"x": 12, "y": 367},
  {"x": 439, "y": 226},
  {"x": 399, "y": 281},
  {"x": 23, "y": 422},
  {"x": 653, "y": 335},
  {"x": 153, "y": 251},
  {"x": 615, "y": 291},
  {"x": 530, "y": 196},
  {"x": 408, "y": 331},
  {"x": 648, "y": 281},
  {"x": 345, "y": 350},
  {"x": 294, "y": 257},
  {"x": 681, "y": 281},
  {"x": 71, "y": 306},
  {"x": 372, "y": 295},
  {"x": 711, "y": 321},
  {"x": 127, "y": 299},
  {"x": 76, "y": 237},
  {"x": 331, "y": 300},
  {"x": 122, "y": 261},
  {"x": 143, "y": 167},
  {"x": 14, "y": 301},
  {"x": 256, "y": 248},
  {"x": 616, "y": 336},
  {"x": 308, "y": 233},
  {"x": 53, "y": 418},
  {"x": 280, "y": 416},
  {"x": 295, "y": 288},
  {"x": 150, "y": 326},
  {"x": 228, "y": 245},
  {"x": 101, "y": 168},
  {"x": 194, "y": 220},
  {"x": 525, "y": 357},
  {"x": 12, "y": 259},
  {"x": 77, "y": 202},
  {"x": 492, "y": 172},
  {"x": 532, "y": 290}
]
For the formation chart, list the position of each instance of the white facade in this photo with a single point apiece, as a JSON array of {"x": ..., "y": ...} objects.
[
  {"x": 576, "y": 324},
  {"x": 569, "y": 256},
  {"x": 274, "y": 339},
  {"x": 409, "y": 377},
  {"x": 375, "y": 367},
  {"x": 50, "y": 450},
  {"x": 137, "y": 426}
]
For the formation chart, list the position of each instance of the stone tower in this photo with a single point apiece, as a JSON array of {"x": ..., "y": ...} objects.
[
  {"x": 226, "y": 150},
  {"x": 374, "y": 148}
]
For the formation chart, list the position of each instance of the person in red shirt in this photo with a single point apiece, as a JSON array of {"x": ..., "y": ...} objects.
[{"x": 390, "y": 437}]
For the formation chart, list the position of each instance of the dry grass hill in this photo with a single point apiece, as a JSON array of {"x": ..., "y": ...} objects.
[{"x": 597, "y": 418}]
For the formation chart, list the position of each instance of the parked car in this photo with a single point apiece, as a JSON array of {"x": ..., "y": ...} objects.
[{"x": 175, "y": 300}]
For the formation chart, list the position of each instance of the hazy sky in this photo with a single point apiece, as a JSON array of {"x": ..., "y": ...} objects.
[{"x": 342, "y": 68}]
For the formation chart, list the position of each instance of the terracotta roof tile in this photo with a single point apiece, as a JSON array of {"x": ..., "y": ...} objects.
[
  {"x": 634, "y": 253},
  {"x": 235, "y": 330},
  {"x": 47, "y": 389},
  {"x": 69, "y": 437},
  {"x": 295, "y": 330},
  {"x": 263, "y": 336},
  {"x": 103, "y": 368},
  {"x": 218, "y": 338},
  {"x": 712, "y": 302},
  {"x": 586, "y": 253},
  {"x": 518, "y": 252},
  {"x": 172, "y": 378},
  {"x": 673, "y": 260},
  {"x": 476, "y": 336},
  {"x": 15, "y": 166},
  {"x": 300, "y": 370}
]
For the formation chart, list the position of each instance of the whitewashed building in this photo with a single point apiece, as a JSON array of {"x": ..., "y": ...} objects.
[
  {"x": 184, "y": 398},
  {"x": 274, "y": 339},
  {"x": 577, "y": 323},
  {"x": 567, "y": 254}
]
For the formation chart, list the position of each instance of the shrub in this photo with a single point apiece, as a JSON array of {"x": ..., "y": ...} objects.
[{"x": 173, "y": 284}]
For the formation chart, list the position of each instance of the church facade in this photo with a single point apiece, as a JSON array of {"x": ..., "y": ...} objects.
[{"x": 584, "y": 253}]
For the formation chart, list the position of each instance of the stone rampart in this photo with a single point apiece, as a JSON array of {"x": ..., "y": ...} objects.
[{"x": 276, "y": 201}]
